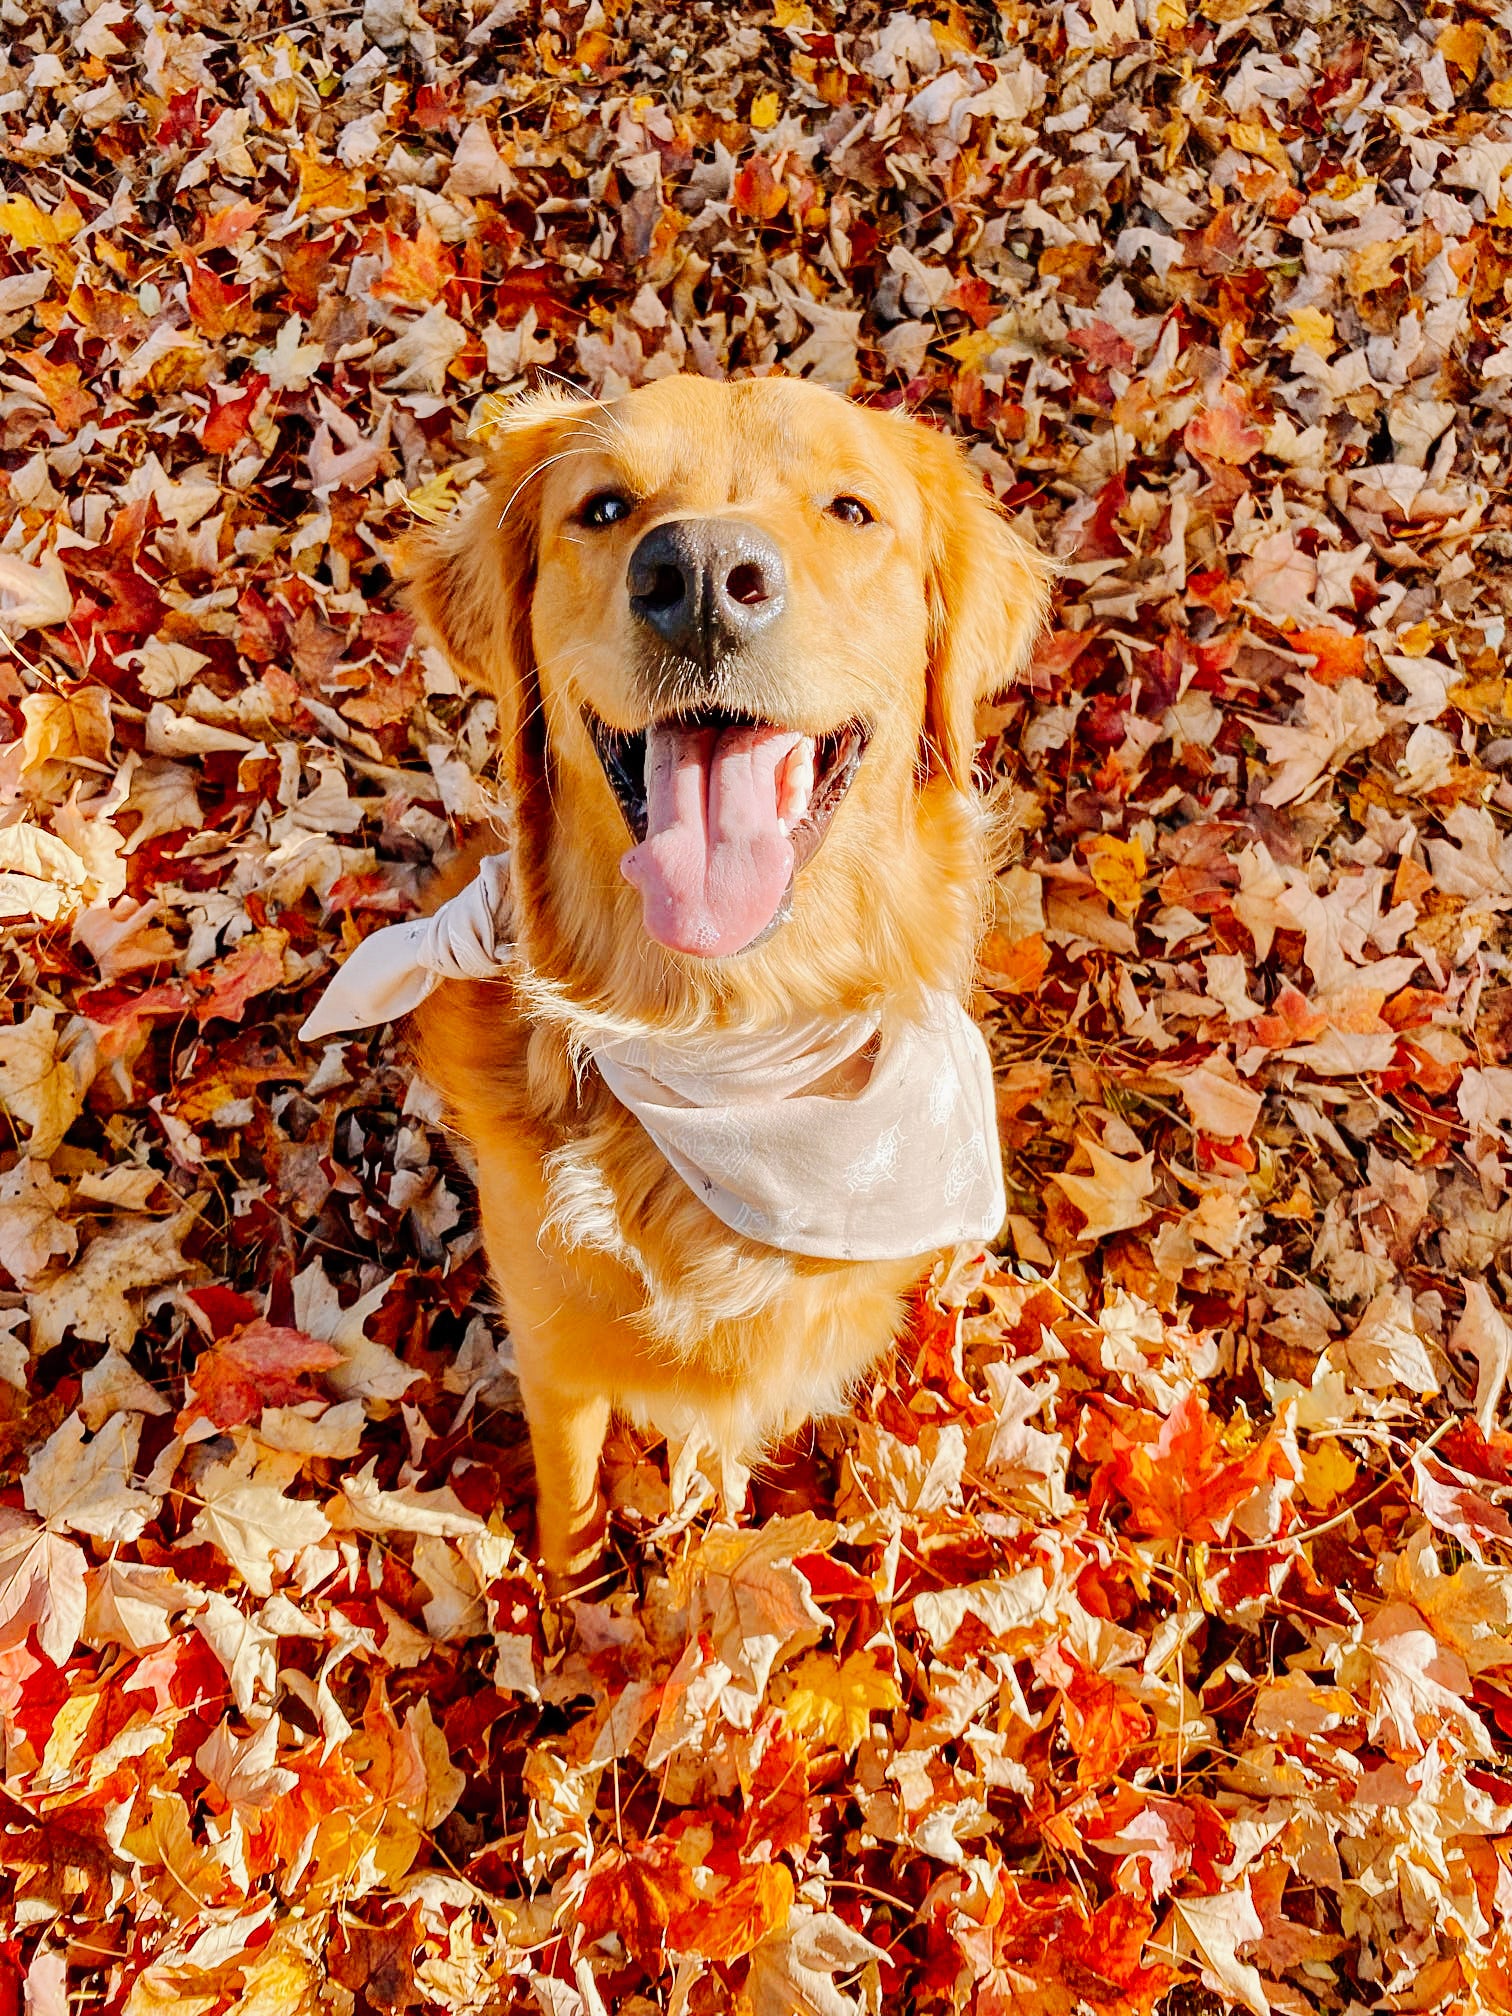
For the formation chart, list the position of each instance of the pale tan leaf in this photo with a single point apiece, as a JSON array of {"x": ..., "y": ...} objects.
[
  {"x": 135, "y": 1605},
  {"x": 32, "y": 1235},
  {"x": 43, "y": 1078},
  {"x": 1219, "y": 1104},
  {"x": 1216, "y": 1927},
  {"x": 1114, "y": 1197},
  {"x": 793, "y": 1972},
  {"x": 92, "y": 1299},
  {"x": 40, "y": 875},
  {"x": 1485, "y": 1335},
  {"x": 80, "y": 1484},
  {"x": 32, "y": 598},
  {"x": 252, "y": 1522},
  {"x": 742, "y": 1589},
  {"x": 41, "y": 1588},
  {"x": 1385, "y": 1350}
]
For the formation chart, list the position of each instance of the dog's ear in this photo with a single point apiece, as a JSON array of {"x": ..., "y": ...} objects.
[
  {"x": 987, "y": 590},
  {"x": 471, "y": 582}
]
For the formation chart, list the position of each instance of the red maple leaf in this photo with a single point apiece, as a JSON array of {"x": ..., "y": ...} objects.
[{"x": 258, "y": 1366}]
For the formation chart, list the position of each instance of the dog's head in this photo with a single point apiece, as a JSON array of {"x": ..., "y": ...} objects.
[{"x": 738, "y": 634}]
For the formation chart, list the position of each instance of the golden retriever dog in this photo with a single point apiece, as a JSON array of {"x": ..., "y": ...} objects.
[{"x": 737, "y": 634}]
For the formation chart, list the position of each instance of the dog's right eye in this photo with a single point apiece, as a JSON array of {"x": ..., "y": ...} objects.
[{"x": 606, "y": 507}]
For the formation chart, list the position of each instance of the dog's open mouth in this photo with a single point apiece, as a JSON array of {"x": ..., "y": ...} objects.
[{"x": 724, "y": 811}]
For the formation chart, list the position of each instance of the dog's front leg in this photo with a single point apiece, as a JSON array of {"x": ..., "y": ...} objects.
[{"x": 567, "y": 1432}]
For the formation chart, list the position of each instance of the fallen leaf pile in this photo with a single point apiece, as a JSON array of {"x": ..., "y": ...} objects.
[{"x": 1145, "y": 1640}]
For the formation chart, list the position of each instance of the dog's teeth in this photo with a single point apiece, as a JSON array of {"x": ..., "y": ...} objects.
[{"x": 795, "y": 783}]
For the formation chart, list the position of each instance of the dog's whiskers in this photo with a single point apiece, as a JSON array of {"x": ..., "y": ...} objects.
[{"x": 537, "y": 469}]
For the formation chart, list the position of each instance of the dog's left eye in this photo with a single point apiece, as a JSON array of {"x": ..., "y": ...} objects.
[
  {"x": 607, "y": 507},
  {"x": 850, "y": 511}
]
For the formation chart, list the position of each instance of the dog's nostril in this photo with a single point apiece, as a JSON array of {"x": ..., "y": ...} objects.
[
  {"x": 665, "y": 590},
  {"x": 746, "y": 584}
]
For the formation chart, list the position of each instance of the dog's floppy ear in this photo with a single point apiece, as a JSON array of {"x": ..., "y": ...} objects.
[
  {"x": 471, "y": 582},
  {"x": 987, "y": 589}
]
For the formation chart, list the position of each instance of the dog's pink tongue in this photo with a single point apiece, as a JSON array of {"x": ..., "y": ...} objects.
[{"x": 716, "y": 859}]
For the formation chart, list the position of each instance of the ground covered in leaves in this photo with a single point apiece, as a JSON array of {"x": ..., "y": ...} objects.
[{"x": 1146, "y": 1639}]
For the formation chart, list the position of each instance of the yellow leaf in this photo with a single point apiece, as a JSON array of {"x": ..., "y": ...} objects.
[
  {"x": 72, "y": 727},
  {"x": 1112, "y": 1198},
  {"x": 1461, "y": 44},
  {"x": 1298, "y": 1205},
  {"x": 435, "y": 499},
  {"x": 792, "y": 14},
  {"x": 974, "y": 348},
  {"x": 834, "y": 1704},
  {"x": 1500, "y": 94},
  {"x": 164, "y": 1839},
  {"x": 280, "y": 1982},
  {"x": 1416, "y": 641},
  {"x": 1372, "y": 268},
  {"x": 325, "y": 185},
  {"x": 954, "y": 34},
  {"x": 283, "y": 98},
  {"x": 1117, "y": 867},
  {"x": 764, "y": 110},
  {"x": 31, "y": 228},
  {"x": 157, "y": 1991},
  {"x": 1327, "y": 1473},
  {"x": 1339, "y": 188},
  {"x": 1169, "y": 16},
  {"x": 70, "y": 1726},
  {"x": 487, "y": 414},
  {"x": 1251, "y": 137},
  {"x": 1482, "y": 699},
  {"x": 1311, "y": 329}
]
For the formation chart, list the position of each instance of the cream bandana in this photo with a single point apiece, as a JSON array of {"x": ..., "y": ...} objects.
[{"x": 843, "y": 1138}]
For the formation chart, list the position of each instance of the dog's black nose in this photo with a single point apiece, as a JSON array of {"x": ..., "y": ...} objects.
[{"x": 706, "y": 585}]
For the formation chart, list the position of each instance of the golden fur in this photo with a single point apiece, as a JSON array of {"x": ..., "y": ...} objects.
[{"x": 621, "y": 1291}]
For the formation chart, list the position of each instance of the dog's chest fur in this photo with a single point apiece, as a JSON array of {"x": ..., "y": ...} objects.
[{"x": 700, "y": 1330}]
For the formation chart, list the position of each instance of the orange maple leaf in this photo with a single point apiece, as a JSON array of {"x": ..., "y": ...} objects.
[
  {"x": 756, "y": 191},
  {"x": 255, "y": 965},
  {"x": 1219, "y": 434},
  {"x": 217, "y": 308},
  {"x": 1340, "y": 654},
  {"x": 60, "y": 385},
  {"x": 227, "y": 226},
  {"x": 777, "y": 1809},
  {"x": 1041, "y": 1952},
  {"x": 1103, "y": 1724},
  {"x": 418, "y": 267},
  {"x": 738, "y": 1917},
  {"x": 635, "y": 1895},
  {"x": 1013, "y": 968},
  {"x": 1183, "y": 1484},
  {"x": 1292, "y": 1020}
]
